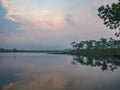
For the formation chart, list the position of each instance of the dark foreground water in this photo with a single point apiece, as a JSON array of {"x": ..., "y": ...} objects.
[{"x": 35, "y": 71}]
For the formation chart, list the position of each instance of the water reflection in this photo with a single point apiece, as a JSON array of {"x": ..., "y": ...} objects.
[
  {"x": 32, "y": 71},
  {"x": 105, "y": 63}
]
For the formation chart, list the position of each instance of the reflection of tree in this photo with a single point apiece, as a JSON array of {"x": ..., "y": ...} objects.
[{"x": 106, "y": 63}]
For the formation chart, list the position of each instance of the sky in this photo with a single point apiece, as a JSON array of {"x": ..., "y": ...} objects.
[{"x": 50, "y": 24}]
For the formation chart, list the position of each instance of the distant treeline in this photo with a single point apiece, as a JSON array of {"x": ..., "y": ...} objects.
[
  {"x": 103, "y": 46},
  {"x": 8, "y": 50},
  {"x": 2, "y": 50}
]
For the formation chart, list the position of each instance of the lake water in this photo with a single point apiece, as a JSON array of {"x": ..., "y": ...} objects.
[{"x": 36, "y": 71}]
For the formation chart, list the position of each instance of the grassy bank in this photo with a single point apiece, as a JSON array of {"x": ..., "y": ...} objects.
[{"x": 97, "y": 52}]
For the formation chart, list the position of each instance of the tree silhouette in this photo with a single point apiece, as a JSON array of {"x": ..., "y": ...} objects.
[
  {"x": 111, "y": 16},
  {"x": 103, "y": 42},
  {"x": 100, "y": 47},
  {"x": 73, "y": 45}
]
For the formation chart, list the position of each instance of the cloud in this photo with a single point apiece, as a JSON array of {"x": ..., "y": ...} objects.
[
  {"x": 4, "y": 3},
  {"x": 37, "y": 16},
  {"x": 10, "y": 17},
  {"x": 98, "y": 3},
  {"x": 53, "y": 23},
  {"x": 34, "y": 16},
  {"x": 45, "y": 23}
]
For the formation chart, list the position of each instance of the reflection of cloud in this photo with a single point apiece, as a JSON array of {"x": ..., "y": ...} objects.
[
  {"x": 7, "y": 87},
  {"x": 54, "y": 72},
  {"x": 51, "y": 81}
]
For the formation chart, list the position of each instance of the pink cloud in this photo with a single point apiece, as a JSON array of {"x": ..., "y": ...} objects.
[{"x": 51, "y": 27}]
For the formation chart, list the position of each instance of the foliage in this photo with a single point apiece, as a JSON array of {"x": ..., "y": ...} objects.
[
  {"x": 111, "y": 16},
  {"x": 102, "y": 47},
  {"x": 103, "y": 43}
]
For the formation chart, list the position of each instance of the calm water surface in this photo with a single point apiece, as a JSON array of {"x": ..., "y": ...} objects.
[{"x": 36, "y": 71}]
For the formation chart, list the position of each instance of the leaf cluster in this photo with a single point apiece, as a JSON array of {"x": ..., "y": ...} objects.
[{"x": 111, "y": 16}]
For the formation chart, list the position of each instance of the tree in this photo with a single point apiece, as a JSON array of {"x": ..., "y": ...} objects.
[
  {"x": 98, "y": 45},
  {"x": 90, "y": 44},
  {"x": 111, "y": 16},
  {"x": 81, "y": 45},
  {"x": 14, "y": 49},
  {"x": 111, "y": 42},
  {"x": 103, "y": 42},
  {"x": 73, "y": 45},
  {"x": 2, "y": 49}
]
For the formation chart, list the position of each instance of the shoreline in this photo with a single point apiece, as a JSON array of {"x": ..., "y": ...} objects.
[{"x": 86, "y": 52}]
